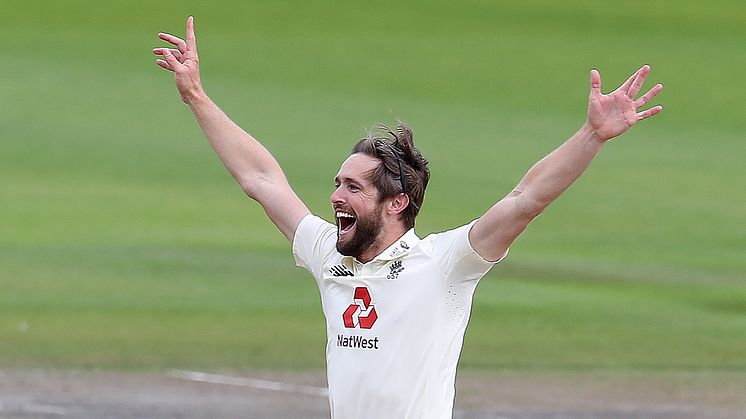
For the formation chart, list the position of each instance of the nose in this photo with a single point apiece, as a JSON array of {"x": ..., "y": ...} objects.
[{"x": 337, "y": 197}]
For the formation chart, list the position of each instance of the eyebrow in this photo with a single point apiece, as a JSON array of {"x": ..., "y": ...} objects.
[
  {"x": 345, "y": 178},
  {"x": 364, "y": 180},
  {"x": 338, "y": 179}
]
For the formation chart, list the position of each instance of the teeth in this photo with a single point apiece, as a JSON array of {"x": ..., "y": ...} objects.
[{"x": 341, "y": 214}]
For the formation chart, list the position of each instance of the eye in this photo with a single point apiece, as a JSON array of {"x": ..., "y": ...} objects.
[{"x": 353, "y": 188}]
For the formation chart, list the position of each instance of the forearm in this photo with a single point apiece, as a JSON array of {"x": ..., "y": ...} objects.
[
  {"x": 243, "y": 156},
  {"x": 608, "y": 116},
  {"x": 553, "y": 174}
]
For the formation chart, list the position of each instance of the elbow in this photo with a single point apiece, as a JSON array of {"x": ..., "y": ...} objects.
[
  {"x": 529, "y": 206},
  {"x": 253, "y": 185},
  {"x": 261, "y": 186}
]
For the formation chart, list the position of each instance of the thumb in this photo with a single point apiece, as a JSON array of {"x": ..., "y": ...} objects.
[{"x": 595, "y": 82}]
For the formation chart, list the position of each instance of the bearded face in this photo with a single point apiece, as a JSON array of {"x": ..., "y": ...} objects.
[
  {"x": 357, "y": 232},
  {"x": 358, "y": 209}
]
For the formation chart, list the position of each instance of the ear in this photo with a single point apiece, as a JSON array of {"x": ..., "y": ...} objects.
[{"x": 397, "y": 204}]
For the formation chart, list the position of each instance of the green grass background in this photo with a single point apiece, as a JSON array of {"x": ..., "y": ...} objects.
[{"x": 125, "y": 245}]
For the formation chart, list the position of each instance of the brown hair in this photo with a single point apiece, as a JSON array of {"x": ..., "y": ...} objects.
[{"x": 403, "y": 169}]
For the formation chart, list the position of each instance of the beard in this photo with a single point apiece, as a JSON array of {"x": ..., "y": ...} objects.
[{"x": 366, "y": 232}]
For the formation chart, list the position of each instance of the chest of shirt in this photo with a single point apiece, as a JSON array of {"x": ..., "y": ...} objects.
[{"x": 381, "y": 295}]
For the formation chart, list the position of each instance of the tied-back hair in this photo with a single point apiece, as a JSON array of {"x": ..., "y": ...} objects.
[{"x": 403, "y": 169}]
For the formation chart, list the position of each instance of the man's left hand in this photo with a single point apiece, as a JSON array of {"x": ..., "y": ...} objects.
[{"x": 611, "y": 115}]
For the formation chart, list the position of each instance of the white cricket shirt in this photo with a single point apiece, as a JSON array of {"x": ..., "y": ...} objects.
[{"x": 395, "y": 325}]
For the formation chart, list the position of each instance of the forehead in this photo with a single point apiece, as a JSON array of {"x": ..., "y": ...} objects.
[{"x": 357, "y": 166}]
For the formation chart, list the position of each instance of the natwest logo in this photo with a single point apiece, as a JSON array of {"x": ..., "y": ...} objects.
[{"x": 361, "y": 313}]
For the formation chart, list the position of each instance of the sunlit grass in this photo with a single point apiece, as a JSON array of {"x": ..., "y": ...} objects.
[{"x": 124, "y": 244}]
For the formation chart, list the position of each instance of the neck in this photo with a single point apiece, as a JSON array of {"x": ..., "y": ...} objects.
[{"x": 386, "y": 238}]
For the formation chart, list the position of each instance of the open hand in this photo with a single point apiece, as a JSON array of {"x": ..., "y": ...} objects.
[
  {"x": 612, "y": 114},
  {"x": 183, "y": 62}
]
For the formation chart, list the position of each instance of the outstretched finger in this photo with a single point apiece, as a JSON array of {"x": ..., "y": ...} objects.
[
  {"x": 191, "y": 40},
  {"x": 180, "y": 44},
  {"x": 164, "y": 64},
  {"x": 648, "y": 113},
  {"x": 626, "y": 85},
  {"x": 639, "y": 81},
  {"x": 172, "y": 61},
  {"x": 647, "y": 97},
  {"x": 175, "y": 52},
  {"x": 595, "y": 83}
]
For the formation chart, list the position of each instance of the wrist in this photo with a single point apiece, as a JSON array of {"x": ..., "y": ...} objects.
[
  {"x": 587, "y": 131},
  {"x": 195, "y": 97}
]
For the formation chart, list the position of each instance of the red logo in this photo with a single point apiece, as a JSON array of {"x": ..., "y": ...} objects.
[{"x": 362, "y": 313}]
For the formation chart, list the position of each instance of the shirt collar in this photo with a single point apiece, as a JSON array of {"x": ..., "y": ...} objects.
[{"x": 399, "y": 248}]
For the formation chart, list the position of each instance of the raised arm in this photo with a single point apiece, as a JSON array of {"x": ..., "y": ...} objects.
[
  {"x": 608, "y": 116},
  {"x": 258, "y": 173}
]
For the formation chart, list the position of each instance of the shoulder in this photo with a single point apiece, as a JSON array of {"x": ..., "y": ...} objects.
[
  {"x": 314, "y": 241},
  {"x": 455, "y": 254},
  {"x": 442, "y": 238}
]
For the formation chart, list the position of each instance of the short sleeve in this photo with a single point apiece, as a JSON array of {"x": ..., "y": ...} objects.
[
  {"x": 314, "y": 241},
  {"x": 458, "y": 260}
]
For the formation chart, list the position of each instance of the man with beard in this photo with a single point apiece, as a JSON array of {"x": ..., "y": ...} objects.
[{"x": 396, "y": 306}]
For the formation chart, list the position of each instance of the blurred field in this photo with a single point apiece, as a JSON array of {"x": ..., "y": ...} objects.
[{"x": 125, "y": 245}]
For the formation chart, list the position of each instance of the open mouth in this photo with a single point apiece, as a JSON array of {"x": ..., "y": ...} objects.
[{"x": 345, "y": 221}]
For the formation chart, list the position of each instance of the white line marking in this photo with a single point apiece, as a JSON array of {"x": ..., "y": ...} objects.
[
  {"x": 204, "y": 377},
  {"x": 465, "y": 414},
  {"x": 44, "y": 409}
]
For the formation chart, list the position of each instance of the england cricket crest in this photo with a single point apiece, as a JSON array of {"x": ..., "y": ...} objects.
[{"x": 396, "y": 268}]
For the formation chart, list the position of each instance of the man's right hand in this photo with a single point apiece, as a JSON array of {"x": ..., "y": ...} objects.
[{"x": 183, "y": 62}]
